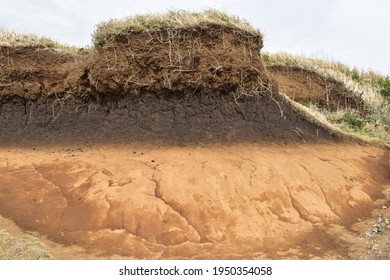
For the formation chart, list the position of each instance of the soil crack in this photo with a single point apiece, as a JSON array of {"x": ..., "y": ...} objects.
[
  {"x": 295, "y": 206},
  {"x": 51, "y": 183},
  {"x": 158, "y": 194},
  {"x": 322, "y": 191}
]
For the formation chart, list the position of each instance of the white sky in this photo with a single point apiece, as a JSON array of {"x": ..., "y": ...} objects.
[{"x": 354, "y": 32}]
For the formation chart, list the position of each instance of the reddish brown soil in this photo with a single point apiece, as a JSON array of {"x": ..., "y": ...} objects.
[
  {"x": 33, "y": 72},
  {"x": 220, "y": 201},
  {"x": 307, "y": 87}
]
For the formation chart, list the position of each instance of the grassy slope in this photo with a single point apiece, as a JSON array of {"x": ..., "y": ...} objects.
[{"x": 371, "y": 86}]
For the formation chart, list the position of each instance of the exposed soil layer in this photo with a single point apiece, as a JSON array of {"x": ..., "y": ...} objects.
[
  {"x": 221, "y": 201},
  {"x": 33, "y": 72},
  {"x": 308, "y": 87},
  {"x": 169, "y": 118},
  {"x": 206, "y": 59},
  {"x": 177, "y": 86}
]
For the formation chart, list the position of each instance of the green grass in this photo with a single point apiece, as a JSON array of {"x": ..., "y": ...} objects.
[
  {"x": 352, "y": 120},
  {"x": 23, "y": 248},
  {"x": 108, "y": 31},
  {"x": 373, "y": 125},
  {"x": 384, "y": 86}
]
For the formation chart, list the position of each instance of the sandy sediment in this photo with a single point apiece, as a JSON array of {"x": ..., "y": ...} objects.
[{"x": 237, "y": 201}]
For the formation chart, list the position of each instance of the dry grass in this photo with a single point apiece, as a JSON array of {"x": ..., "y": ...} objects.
[
  {"x": 13, "y": 39},
  {"x": 108, "y": 31},
  {"x": 376, "y": 123},
  {"x": 359, "y": 82},
  {"x": 23, "y": 248}
]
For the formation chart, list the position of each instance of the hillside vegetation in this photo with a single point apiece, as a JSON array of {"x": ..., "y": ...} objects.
[{"x": 373, "y": 89}]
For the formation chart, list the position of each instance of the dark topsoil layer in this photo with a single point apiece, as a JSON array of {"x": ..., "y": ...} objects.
[
  {"x": 174, "y": 86},
  {"x": 185, "y": 120}
]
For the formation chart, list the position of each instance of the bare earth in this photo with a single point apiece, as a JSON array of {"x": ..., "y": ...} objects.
[{"x": 247, "y": 200}]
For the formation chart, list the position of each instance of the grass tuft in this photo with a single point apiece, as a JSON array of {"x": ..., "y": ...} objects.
[
  {"x": 108, "y": 31},
  {"x": 13, "y": 39},
  {"x": 24, "y": 248}
]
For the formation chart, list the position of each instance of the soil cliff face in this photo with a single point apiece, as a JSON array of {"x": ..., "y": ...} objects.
[
  {"x": 203, "y": 59},
  {"x": 35, "y": 72},
  {"x": 181, "y": 86},
  {"x": 176, "y": 144}
]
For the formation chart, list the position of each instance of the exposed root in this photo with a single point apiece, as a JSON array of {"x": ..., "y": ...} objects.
[{"x": 277, "y": 103}]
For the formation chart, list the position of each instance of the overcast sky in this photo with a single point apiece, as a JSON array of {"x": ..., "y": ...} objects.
[{"x": 353, "y": 32}]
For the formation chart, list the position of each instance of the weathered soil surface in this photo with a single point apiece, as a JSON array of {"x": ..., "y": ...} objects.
[
  {"x": 177, "y": 144},
  {"x": 223, "y": 201}
]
